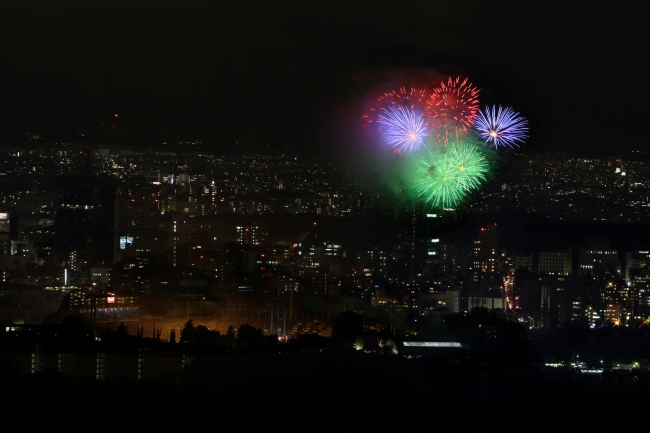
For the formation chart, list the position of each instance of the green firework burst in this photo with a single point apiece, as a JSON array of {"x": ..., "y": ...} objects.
[{"x": 446, "y": 179}]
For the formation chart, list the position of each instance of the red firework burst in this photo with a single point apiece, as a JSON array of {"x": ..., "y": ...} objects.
[
  {"x": 451, "y": 108},
  {"x": 406, "y": 97}
]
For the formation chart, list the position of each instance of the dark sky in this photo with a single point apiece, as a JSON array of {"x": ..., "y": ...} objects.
[{"x": 275, "y": 71}]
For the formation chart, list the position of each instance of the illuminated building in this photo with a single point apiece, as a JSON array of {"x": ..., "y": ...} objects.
[
  {"x": 597, "y": 257},
  {"x": 595, "y": 261},
  {"x": 201, "y": 233},
  {"x": 592, "y": 315},
  {"x": 489, "y": 240},
  {"x": 554, "y": 263},
  {"x": 104, "y": 305},
  {"x": 613, "y": 314},
  {"x": 485, "y": 251},
  {"x": 636, "y": 265},
  {"x": 426, "y": 255},
  {"x": 141, "y": 229},
  {"x": 253, "y": 234},
  {"x": 6, "y": 232},
  {"x": 315, "y": 281},
  {"x": 525, "y": 262},
  {"x": 491, "y": 302},
  {"x": 439, "y": 303},
  {"x": 621, "y": 294}
]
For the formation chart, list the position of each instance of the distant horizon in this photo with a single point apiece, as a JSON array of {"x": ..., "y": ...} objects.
[{"x": 206, "y": 144}]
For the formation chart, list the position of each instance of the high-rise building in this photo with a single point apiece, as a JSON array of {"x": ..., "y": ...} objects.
[
  {"x": 636, "y": 264},
  {"x": 613, "y": 314},
  {"x": 489, "y": 238},
  {"x": 485, "y": 250},
  {"x": 140, "y": 227},
  {"x": 7, "y": 232},
  {"x": 596, "y": 261},
  {"x": 446, "y": 258},
  {"x": 427, "y": 254},
  {"x": 525, "y": 262},
  {"x": 253, "y": 234},
  {"x": 554, "y": 263},
  {"x": 202, "y": 232},
  {"x": 85, "y": 219}
]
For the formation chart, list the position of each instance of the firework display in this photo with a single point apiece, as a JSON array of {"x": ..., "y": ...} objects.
[
  {"x": 447, "y": 145},
  {"x": 446, "y": 179},
  {"x": 501, "y": 127},
  {"x": 404, "y": 128},
  {"x": 405, "y": 96},
  {"x": 411, "y": 98},
  {"x": 451, "y": 108}
]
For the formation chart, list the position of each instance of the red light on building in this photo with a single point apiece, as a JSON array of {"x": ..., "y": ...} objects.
[{"x": 110, "y": 299}]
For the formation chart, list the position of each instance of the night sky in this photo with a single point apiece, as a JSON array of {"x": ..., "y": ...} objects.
[{"x": 279, "y": 72}]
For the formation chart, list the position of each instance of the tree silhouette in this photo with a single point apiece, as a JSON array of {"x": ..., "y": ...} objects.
[
  {"x": 187, "y": 333},
  {"x": 248, "y": 336},
  {"x": 347, "y": 326}
]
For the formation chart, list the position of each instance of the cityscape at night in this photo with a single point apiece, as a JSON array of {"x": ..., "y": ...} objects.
[{"x": 267, "y": 213}]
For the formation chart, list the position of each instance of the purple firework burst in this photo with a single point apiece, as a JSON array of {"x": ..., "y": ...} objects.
[
  {"x": 404, "y": 129},
  {"x": 501, "y": 127}
]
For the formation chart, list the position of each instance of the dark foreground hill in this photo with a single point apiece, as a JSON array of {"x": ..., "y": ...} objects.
[{"x": 329, "y": 389}]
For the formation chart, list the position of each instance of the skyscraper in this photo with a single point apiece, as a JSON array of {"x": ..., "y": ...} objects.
[{"x": 84, "y": 220}]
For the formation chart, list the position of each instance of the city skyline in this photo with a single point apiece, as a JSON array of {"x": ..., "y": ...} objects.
[
  {"x": 96, "y": 213},
  {"x": 163, "y": 266}
]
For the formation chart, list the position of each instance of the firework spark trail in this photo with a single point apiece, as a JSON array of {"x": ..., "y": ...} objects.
[
  {"x": 452, "y": 108},
  {"x": 404, "y": 128},
  {"x": 446, "y": 179},
  {"x": 406, "y": 97},
  {"x": 501, "y": 127}
]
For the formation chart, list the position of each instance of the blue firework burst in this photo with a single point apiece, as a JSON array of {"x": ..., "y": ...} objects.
[
  {"x": 501, "y": 127},
  {"x": 404, "y": 129}
]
